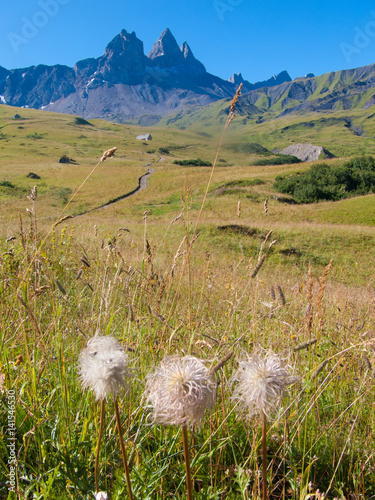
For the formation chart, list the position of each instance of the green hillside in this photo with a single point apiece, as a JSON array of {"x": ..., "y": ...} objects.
[
  {"x": 35, "y": 143},
  {"x": 343, "y": 132},
  {"x": 205, "y": 262},
  {"x": 334, "y": 110}
]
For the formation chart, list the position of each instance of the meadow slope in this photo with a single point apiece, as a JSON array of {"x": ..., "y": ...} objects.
[{"x": 253, "y": 274}]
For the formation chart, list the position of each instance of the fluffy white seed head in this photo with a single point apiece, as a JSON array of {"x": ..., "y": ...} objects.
[
  {"x": 103, "y": 366},
  {"x": 260, "y": 382},
  {"x": 101, "y": 495},
  {"x": 180, "y": 390}
]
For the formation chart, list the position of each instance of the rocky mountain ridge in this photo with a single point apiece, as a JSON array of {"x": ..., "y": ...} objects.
[
  {"x": 124, "y": 83},
  {"x": 346, "y": 89},
  {"x": 237, "y": 79},
  {"x": 170, "y": 85},
  {"x": 334, "y": 91}
]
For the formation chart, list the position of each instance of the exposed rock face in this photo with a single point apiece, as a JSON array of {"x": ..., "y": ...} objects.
[
  {"x": 237, "y": 78},
  {"x": 165, "y": 52},
  {"x": 120, "y": 85},
  {"x": 123, "y": 60},
  {"x": 38, "y": 86},
  {"x": 85, "y": 68},
  {"x": 3, "y": 73},
  {"x": 307, "y": 152},
  {"x": 191, "y": 63}
]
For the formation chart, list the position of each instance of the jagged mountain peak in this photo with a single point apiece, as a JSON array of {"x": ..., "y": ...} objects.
[
  {"x": 236, "y": 78},
  {"x": 123, "y": 58},
  {"x": 283, "y": 77},
  {"x": 190, "y": 60},
  {"x": 123, "y": 44},
  {"x": 124, "y": 82},
  {"x": 121, "y": 39},
  {"x": 165, "y": 51},
  {"x": 186, "y": 51}
]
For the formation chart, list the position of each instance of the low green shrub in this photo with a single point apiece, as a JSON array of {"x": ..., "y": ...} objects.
[
  {"x": 35, "y": 135},
  {"x": 78, "y": 120},
  {"x": 193, "y": 163},
  {"x": 245, "y": 182},
  {"x": 325, "y": 182},
  {"x": 277, "y": 160},
  {"x": 6, "y": 183}
]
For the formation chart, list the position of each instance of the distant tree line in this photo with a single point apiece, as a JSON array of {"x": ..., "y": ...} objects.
[{"x": 324, "y": 182}]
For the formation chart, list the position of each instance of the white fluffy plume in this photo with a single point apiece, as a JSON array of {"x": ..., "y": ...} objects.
[
  {"x": 180, "y": 390},
  {"x": 260, "y": 381},
  {"x": 103, "y": 366}
]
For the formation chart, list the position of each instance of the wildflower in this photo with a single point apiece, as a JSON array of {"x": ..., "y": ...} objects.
[
  {"x": 180, "y": 390},
  {"x": 261, "y": 382},
  {"x": 101, "y": 495},
  {"x": 103, "y": 366},
  {"x": 104, "y": 369}
]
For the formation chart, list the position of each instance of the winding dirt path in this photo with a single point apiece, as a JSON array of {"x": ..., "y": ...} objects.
[{"x": 142, "y": 184}]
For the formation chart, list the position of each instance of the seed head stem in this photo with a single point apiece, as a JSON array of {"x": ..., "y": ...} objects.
[
  {"x": 264, "y": 455},
  {"x": 123, "y": 450},
  {"x": 101, "y": 425},
  {"x": 187, "y": 462}
]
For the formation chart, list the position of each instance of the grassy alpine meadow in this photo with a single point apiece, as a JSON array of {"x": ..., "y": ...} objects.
[{"x": 238, "y": 358}]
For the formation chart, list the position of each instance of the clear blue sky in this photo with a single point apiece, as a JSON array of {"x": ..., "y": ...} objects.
[{"x": 256, "y": 37}]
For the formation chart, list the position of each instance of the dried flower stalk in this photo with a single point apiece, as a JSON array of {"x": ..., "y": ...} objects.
[{"x": 108, "y": 154}]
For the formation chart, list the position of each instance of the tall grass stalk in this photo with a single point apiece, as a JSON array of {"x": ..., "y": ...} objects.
[{"x": 192, "y": 239}]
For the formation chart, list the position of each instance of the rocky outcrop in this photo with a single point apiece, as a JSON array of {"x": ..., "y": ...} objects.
[
  {"x": 123, "y": 60},
  {"x": 3, "y": 73},
  {"x": 38, "y": 86},
  {"x": 165, "y": 52},
  {"x": 307, "y": 152},
  {"x": 274, "y": 80},
  {"x": 237, "y": 78},
  {"x": 191, "y": 63}
]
